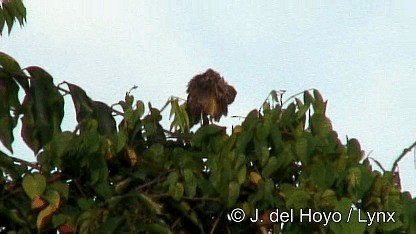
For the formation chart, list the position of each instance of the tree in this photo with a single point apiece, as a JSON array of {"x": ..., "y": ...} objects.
[{"x": 135, "y": 176}]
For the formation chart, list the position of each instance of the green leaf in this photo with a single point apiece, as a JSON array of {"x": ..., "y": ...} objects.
[
  {"x": 2, "y": 21},
  {"x": 323, "y": 175},
  {"x": 61, "y": 188},
  {"x": 270, "y": 168},
  {"x": 8, "y": 15},
  {"x": 52, "y": 196},
  {"x": 87, "y": 109},
  {"x": 9, "y": 64},
  {"x": 176, "y": 191},
  {"x": 264, "y": 155},
  {"x": 153, "y": 207},
  {"x": 82, "y": 103},
  {"x": 299, "y": 199},
  {"x": 301, "y": 149},
  {"x": 354, "y": 150},
  {"x": 190, "y": 182},
  {"x": 59, "y": 146},
  {"x": 353, "y": 225},
  {"x": 139, "y": 108},
  {"x": 103, "y": 189},
  {"x": 9, "y": 103},
  {"x": 202, "y": 134},
  {"x": 104, "y": 115},
  {"x": 59, "y": 219},
  {"x": 307, "y": 98},
  {"x": 34, "y": 185},
  {"x": 7, "y": 165},
  {"x": 242, "y": 175},
  {"x": 43, "y": 109},
  {"x": 233, "y": 193},
  {"x": 319, "y": 105},
  {"x": 154, "y": 228},
  {"x": 85, "y": 203},
  {"x": 320, "y": 125}
]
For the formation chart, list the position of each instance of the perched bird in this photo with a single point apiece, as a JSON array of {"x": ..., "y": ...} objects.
[{"x": 208, "y": 97}]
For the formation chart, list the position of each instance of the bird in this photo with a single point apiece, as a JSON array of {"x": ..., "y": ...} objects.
[{"x": 208, "y": 97}]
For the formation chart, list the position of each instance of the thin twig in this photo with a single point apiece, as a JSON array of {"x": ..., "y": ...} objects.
[
  {"x": 79, "y": 187},
  {"x": 378, "y": 164},
  {"x": 294, "y": 95},
  {"x": 176, "y": 222},
  {"x": 165, "y": 195},
  {"x": 405, "y": 151},
  {"x": 26, "y": 163},
  {"x": 156, "y": 180},
  {"x": 214, "y": 226}
]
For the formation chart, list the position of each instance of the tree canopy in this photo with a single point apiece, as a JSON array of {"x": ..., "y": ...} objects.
[
  {"x": 283, "y": 169},
  {"x": 133, "y": 175}
]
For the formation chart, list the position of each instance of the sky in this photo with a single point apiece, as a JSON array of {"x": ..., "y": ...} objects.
[{"x": 359, "y": 54}]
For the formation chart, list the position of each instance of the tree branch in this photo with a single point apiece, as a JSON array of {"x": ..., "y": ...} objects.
[
  {"x": 405, "y": 151},
  {"x": 214, "y": 226},
  {"x": 26, "y": 163}
]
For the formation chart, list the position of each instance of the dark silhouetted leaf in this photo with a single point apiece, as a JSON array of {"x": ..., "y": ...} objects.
[{"x": 43, "y": 110}]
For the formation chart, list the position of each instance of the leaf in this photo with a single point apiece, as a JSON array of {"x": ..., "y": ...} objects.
[
  {"x": 61, "y": 188},
  {"x": 103, "y": 114},
  {"x": 353, "y": 226},
  {"x": 86, "y": 109},
  {"x": 190, "y": 182},
  {"x": 301, "y": 149},
  {"x": 59, "y": 219},
  {"x": 66, "y": 228},
  {"x": 9, "y": 18},
  {"x": 9, "y": 106},
  {"x": 299, "y": 199},
  {"x": 319, "y": 105},
  {"x": 204, "y": 133},
  {"x": 323, "y": 175},
  {"x": 320, "y": 125},
  {"x": 8, "y": 63},
  {"x": 103, "y": 189},
  {"x": 85, "y": 203},
  {"x": 82, "y": 103},
  {"x": 2, "y": 21},
  {"x": 254, "y": 178},
  {"x": 154, "y": 228},
  {"x": 34, "y": 185},
  {"x": 55, "y": 150},
  {"x": 154, "y": 207},
  {"x": 45, "y": 216},
  {"x": 264, "y": 155},
  {"x": 242, "y": 175},
  {"x": 52, "y": 196},
  {"x": 233, "y": 193},
  {"x": 354, "y": 150},
  {"x": 7, "y": 165},
  {"x": 38, "y": 203},
  {"x": 9, "y": 103},
  {"x": 327, "y": 199},
  {"x": 271, "y": 166},
  {"x": 176, "y": 191},
  {"x": 43, "y": 110}
]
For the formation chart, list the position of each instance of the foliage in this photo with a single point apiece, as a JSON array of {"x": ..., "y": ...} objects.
[
  {"x": 11, "y": 10},
  {"x": 135, "y": 176}
]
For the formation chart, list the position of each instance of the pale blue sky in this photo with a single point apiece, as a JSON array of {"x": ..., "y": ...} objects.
[{"x": 360, "y": 54}]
